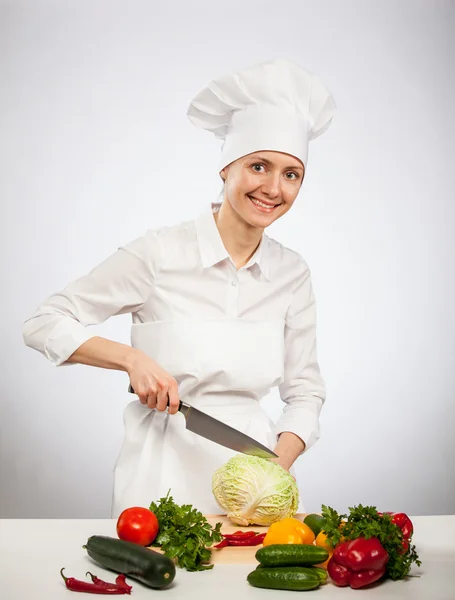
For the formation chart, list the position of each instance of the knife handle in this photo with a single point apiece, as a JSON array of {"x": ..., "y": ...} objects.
[{"x": 131, "y": 391}]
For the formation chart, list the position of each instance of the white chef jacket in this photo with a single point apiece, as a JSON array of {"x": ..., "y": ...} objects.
[{"x": 226, "y": 335}]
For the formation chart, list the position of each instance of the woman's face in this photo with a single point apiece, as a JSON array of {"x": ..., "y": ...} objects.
[{"x": 261, "y": 187}]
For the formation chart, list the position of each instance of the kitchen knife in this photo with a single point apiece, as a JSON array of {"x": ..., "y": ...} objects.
[{"x": 211, "y": 429}]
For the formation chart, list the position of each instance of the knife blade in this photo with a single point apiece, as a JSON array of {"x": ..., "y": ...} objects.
[{"x": 211, "y": 429}]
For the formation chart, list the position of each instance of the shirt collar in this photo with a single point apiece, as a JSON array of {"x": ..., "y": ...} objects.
[{"x": 211, "y": 245}]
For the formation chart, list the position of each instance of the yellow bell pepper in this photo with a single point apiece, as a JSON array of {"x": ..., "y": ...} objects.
[{"x": 289, "y": 531}]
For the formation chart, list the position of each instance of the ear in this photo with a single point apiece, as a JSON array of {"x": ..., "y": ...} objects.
[{"x": 223, "y": 174}]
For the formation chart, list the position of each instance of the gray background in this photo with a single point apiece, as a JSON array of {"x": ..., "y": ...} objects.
[{"x": 96, "y": 148}]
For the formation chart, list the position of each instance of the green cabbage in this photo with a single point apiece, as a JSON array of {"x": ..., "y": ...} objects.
[{"x": 255, "y": 491}]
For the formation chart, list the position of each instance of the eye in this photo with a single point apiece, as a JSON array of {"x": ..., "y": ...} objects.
[
  {"x": 257, "y": 167},
  {"x": 294, "y": 175}
]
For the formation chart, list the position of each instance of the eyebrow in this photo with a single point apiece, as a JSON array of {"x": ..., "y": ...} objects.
[{"x": 269, "y": 163}]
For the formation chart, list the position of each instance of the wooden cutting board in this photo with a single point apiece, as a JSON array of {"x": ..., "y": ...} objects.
[{"x": 232, "y": 555}]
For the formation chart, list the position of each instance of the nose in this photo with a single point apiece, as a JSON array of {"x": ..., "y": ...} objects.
[{"x": 271, "y": 187}]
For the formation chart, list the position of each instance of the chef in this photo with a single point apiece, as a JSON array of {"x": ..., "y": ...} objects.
[{"x": 221, "y": 312}]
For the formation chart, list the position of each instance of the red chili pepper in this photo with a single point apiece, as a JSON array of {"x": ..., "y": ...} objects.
[
  {"x": 358, "y": 562},
  {"x": 121, "y": 581},
  {"x": 106, "y": 584},
  {"x": 75, "y": 585},
  {"x": 251, "y": 540},
  {"x": 239, "y": 536}
]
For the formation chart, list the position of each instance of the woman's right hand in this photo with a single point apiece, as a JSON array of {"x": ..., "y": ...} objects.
[{"x": 154, "y": 386}]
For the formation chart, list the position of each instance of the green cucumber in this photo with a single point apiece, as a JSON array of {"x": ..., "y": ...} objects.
[
  {"x": 314, "y": 522},
  {"x": 288, "y": 555},
  {"x": 284, "y": 578},
  {"x": 321, "y": 573},
  {"x": 147, "y": 566}
]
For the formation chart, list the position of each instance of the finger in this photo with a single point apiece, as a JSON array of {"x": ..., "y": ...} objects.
[
  {"x": 162, "y": 398},
  {"x": 174, "y": 400},
  {"x": 151, "y": 397},
  {"x": 142, "y": 397},
  {"x": 151, "y": 400},
  {"x": 140, "y": 393}
]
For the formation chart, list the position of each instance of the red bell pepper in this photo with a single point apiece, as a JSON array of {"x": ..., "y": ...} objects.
[
  {"x": 364, "y": 578},
  {"x": 358, "y": 562},
  {"x": 405, "y": 524}
]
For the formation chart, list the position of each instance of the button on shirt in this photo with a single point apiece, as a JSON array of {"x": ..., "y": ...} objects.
[{"x": 184, "y": 274}]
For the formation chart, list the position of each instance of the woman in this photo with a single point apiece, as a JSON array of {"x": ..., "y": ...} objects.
[{"x": 221, "y": 312}]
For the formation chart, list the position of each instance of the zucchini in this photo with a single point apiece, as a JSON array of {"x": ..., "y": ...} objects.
[
  {"x": 284, "y": 578},
  {"x": 289, "y": 555},
  {"x": 150, "y": 568}
]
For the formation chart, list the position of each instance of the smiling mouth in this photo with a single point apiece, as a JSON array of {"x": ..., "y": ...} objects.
[{"x": 267, "y": 207}]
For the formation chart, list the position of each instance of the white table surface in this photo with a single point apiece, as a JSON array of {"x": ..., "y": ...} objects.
[{"x": 32, "y": 552}]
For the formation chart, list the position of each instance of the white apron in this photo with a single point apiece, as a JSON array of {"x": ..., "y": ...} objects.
[{"x": 223, "y": 367}]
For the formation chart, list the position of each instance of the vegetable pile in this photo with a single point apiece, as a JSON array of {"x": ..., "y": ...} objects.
[
  {"x": 356, "y": 550},
  {"x": 364, "y": 523},
  {"x": 182, "y": 532}
]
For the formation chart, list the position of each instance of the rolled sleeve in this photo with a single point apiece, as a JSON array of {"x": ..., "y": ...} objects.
[
  {"x": 302, "y": 390},
  {"x": 120, "y": 284},
  {"x": 64, "y": 339}
]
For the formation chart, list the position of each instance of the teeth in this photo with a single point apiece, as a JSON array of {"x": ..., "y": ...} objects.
[{"x": 258, "y": 203}]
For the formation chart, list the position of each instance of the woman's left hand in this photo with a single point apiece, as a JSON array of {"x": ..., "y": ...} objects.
[
  {"x": 278, "y": 461},
  {"x": 288, "y": 449}
]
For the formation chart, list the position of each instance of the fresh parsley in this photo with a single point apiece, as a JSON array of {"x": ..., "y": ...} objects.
[
  {"x": 367, "y": 522},
  {"x": 185, "y": 534}
]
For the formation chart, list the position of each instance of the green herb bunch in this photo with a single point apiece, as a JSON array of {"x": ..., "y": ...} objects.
[{"x": 185, "y": 534}]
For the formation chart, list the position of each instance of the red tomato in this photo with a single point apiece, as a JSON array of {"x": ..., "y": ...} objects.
[{"x": 138, "y": 525}]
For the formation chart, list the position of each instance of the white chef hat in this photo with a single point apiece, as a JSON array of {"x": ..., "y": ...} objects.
[{"x": 272, "y": 106}]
